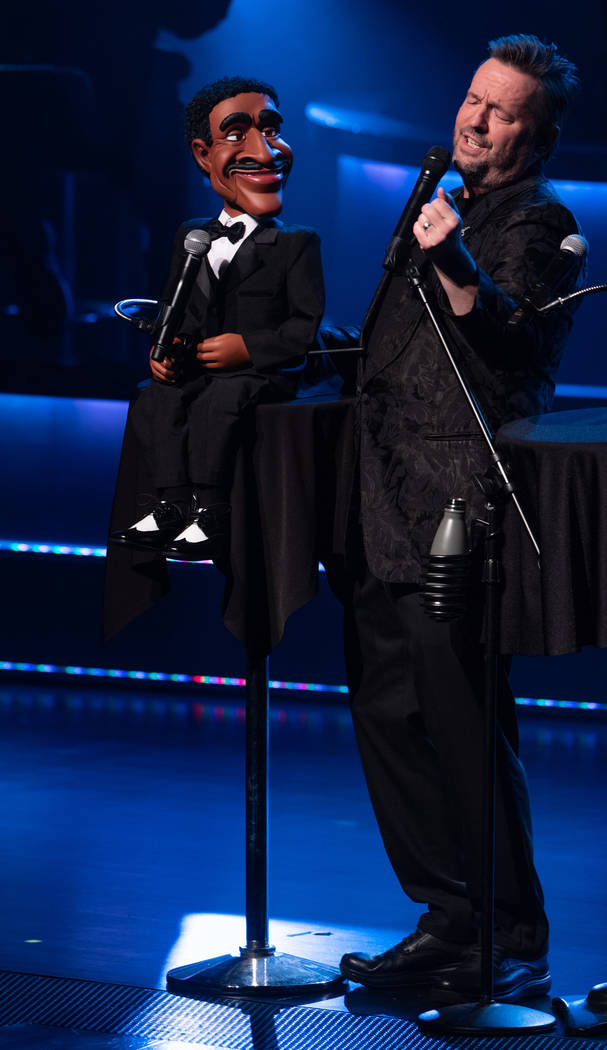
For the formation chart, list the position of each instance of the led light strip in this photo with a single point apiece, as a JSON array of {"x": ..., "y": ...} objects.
[
  {"x": 19, "y": 547},
  {"x": 161, "y": 676},
  {"x": 576, "y": 705},
  {"x": 239, "y": 683},
  {"x": 16, "y": 547}
]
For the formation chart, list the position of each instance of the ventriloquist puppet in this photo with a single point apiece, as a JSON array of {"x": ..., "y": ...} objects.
[{"x": 252, "y": 317}]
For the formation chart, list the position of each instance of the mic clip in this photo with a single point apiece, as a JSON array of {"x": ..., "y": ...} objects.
[{"x": 525, "y": 307}]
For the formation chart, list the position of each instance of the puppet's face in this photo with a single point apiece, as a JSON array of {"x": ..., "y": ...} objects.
[{"x": 249, "y": 162}]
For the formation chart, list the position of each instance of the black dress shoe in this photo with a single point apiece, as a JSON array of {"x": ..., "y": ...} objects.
[
  {"x": 514, "y": 979},
  {"x": 157, "y": 528},
  {"x": 205, "y": 534},
  {"x": 418, "y": 960}
]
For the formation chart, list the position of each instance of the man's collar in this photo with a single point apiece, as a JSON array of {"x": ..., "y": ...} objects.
[
  {"x": 529, "y": 178},
  {"x": 479, "y": 207}
]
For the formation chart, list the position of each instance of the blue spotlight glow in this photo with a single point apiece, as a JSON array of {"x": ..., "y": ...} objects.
[
  {"x": 576, "y": 390},
  {"x": 363, "y": 122}
]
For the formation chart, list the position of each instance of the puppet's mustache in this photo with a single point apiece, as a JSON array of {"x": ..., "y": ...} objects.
[{"x": 246, "y": 165}]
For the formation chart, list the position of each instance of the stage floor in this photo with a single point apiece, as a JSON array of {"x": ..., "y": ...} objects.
[
  {"x": 122, "y": 829},
  {"x": 123, "y": 856}
]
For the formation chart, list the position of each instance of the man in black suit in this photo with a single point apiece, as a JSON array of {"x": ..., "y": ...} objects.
[
  {"x": 250, "y": 321},
  {"x": 416, "y": 684}
]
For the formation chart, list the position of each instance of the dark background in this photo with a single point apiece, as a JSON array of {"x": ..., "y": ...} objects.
[{"x": 97, "y": 176}]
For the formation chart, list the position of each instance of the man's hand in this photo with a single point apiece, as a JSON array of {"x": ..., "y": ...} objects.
[
  {"x": 438, "y": 233},
  {"x": 223, "y": 352}
]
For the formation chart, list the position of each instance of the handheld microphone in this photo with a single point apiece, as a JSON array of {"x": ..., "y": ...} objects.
[
  {"x": 434, "y": 166},
  {"x": 196, "y": 245},
  {"x": 571, "y": 252}
]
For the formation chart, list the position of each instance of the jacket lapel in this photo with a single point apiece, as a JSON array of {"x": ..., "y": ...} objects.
[
  {"x": 201, "y": 293},
  {"x": 247, "y": 259}
]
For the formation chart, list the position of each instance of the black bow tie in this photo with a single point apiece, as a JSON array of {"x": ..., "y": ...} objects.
[{"x": 233, "y": 233}]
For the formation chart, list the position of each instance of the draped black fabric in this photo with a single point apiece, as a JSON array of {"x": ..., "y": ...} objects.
[
  {"x": 288, "y": 509},
  {"x": 287, "y": 514},
  {"x": 559, "y": 465}
]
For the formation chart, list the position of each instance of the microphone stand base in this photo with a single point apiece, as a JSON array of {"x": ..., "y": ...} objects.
[
  {"x": 256, "y": 974},
  {"x": 485, "y": 1018},
  {"x": 583, "y": 1014}
]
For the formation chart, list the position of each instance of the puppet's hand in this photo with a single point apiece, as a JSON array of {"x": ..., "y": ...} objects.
[
  {"x": 223, "y": 352},
  {"x": 163, "y": 370}
]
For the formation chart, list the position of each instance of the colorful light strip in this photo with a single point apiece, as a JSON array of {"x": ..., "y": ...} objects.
[
  {"x": 576, "y": 705},
  {"x": 240, "y": 683},
  {"x": 20, "y": 547},
  {"x": 161, "y": 676}
]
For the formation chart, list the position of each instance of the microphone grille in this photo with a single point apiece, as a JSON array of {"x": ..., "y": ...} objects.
[
  {"x": 197, "y": 242},
  {"x": 576, "y": 244},
  {"x": 437, "y": 160}
]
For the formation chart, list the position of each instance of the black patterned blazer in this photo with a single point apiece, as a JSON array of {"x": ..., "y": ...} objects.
[{"x": 419, "y": 444}]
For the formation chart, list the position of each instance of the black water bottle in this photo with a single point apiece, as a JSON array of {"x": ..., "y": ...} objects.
[{"x": 447, "y": 567}]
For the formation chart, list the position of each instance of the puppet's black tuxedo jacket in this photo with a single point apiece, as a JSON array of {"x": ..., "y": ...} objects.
[{"x": 271, "y": 293}]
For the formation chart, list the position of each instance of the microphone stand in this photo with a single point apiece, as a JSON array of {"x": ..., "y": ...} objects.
[
  {"x": 580, "y": 294},
  {"x": 485, "y": 1015},
  {"x": 416, "y": 281},
  {"x": 589, "y": 1013}
]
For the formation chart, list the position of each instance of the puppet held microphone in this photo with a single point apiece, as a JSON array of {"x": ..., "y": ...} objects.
[
  {"x": 196, "y": 246},
  {"x": 434, "y": 166}
]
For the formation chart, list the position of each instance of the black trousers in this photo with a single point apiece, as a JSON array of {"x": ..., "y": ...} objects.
[
  {"x": 189, "y": 431},
  {"x": 416, "y": 694}
]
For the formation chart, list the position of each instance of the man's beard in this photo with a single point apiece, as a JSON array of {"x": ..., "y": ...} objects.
[{"x": 474, "y": 176}]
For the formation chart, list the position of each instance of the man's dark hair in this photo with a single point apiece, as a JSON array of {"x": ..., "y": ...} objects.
[
  {"x": 557, "y": 76},
  {"x": 197, "y": 111}
]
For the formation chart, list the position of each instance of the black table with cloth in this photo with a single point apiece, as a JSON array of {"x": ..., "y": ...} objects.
[
  {"x": 558, "y": 463},
  {"x": 288, "y": 512}
]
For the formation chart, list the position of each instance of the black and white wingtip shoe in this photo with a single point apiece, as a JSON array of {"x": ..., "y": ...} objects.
[
  {"x": 155, "y": 530},
  {"x": 205, "y": 534}
]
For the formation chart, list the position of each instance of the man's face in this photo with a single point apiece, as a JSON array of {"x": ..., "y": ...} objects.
[
  {"x": 248, "y": 162},
  {"x": 495, "y": 137}
]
